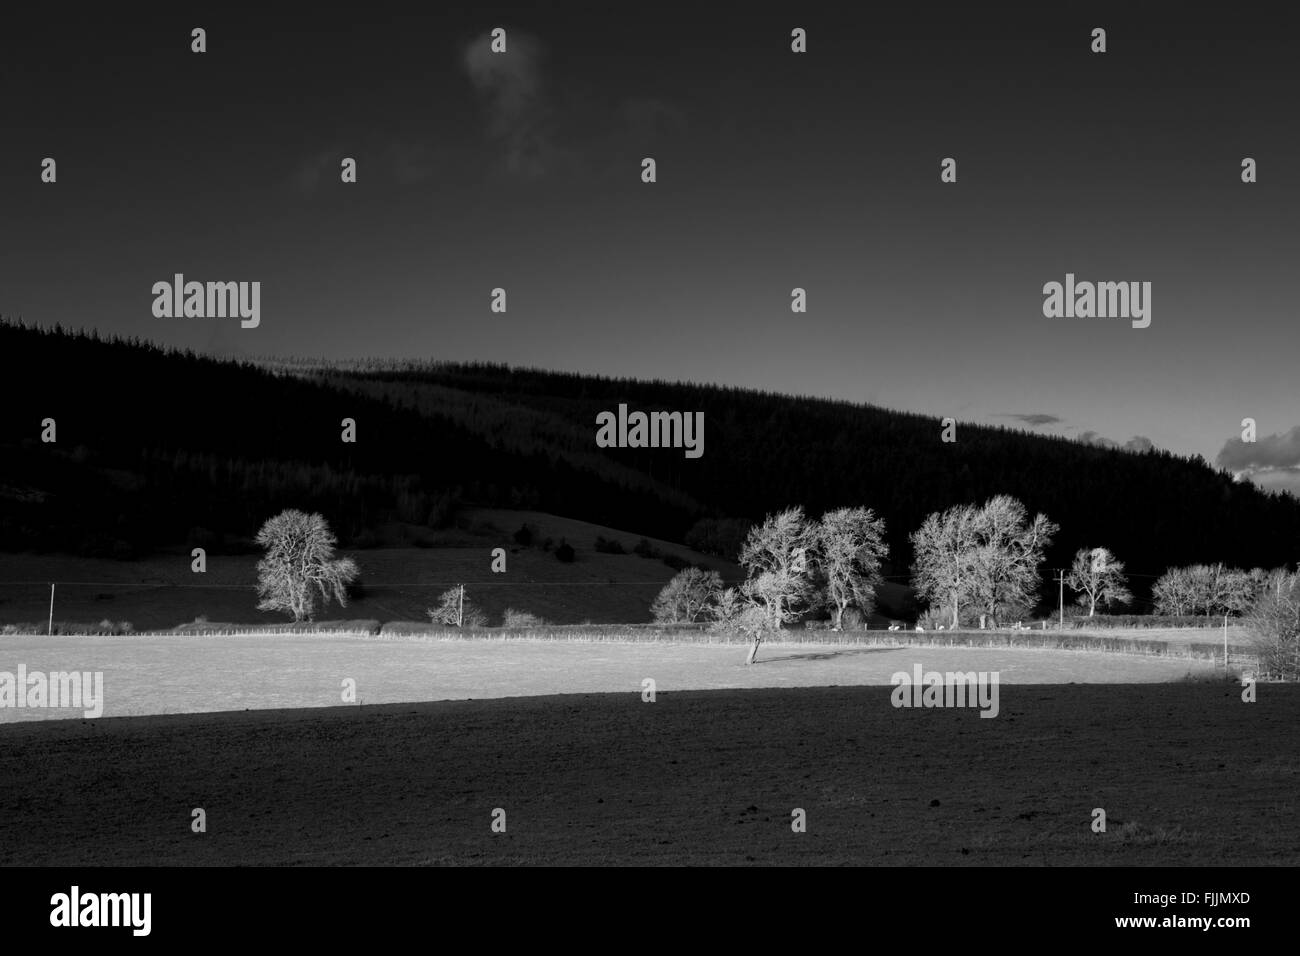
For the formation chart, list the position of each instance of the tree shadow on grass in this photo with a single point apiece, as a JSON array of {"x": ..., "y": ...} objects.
[{"x": 823, "y": 655}]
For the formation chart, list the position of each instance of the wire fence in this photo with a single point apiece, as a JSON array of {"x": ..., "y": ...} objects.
[{"x": 160, "y": 606}]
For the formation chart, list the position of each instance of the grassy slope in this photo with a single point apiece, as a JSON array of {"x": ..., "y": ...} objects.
[
  {"x": 399, "y": 583},
  {"x": 1186, "y": 772}
]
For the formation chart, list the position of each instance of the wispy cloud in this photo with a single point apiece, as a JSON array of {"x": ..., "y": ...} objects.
[
  {"x": 1033, "y": 419},
  {"x": 540, "y": 123},
  {"x": 380, "y": 157},
  {"x": 512, "y": 89}
]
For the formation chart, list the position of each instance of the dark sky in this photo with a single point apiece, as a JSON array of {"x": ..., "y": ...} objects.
[{"x": 775, "y": 170}]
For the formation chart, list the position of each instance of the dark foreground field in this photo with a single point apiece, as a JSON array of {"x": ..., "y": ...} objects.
[{"x": 1186, "y": 772}]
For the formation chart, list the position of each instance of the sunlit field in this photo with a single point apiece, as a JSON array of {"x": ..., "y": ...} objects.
[{"x": 167, "y": 674}]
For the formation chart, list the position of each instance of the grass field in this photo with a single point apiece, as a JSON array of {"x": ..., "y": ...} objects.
[
  {"x": 1186, "y": 772},
  {"x": 172, "y": 674}
]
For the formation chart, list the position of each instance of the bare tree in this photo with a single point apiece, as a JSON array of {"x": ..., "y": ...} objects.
[
  {"x": 1099, "y": 578},
  {"x": 757, "y": 608},
  {"x": 687, "y": 596},
  {"x": 849, "y": 548},
  {"x": 779, "y": 587},
  {"x": 1236, "y": 591},
  {"x": 455, "y": 609},
  {"x": 299, "y": 566},
  {"x": 725, "y": 607},
  {"x": 1275, "y": 625},
  {"x": 944, "y": 566},
  {"x": 1009, "y": 548},
  {"x": 778, "y": 548},
  {"x": 1175, "y": 592},
  {"x": 750, "y": 617}
]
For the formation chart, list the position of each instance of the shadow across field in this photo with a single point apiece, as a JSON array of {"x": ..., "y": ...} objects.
[
  {"x": 847, "y": 652},
  {"x": 1186, "y": 772}
]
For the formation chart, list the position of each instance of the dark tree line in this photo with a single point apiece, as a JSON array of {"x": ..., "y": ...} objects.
[{"x": 155, "y": 445}]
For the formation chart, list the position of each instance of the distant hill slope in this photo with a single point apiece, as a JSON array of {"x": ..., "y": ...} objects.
[
  {"x": 396, "y": 583},
  {"x": 160, "y": 447},
  {"x": 764, "y": 451}
]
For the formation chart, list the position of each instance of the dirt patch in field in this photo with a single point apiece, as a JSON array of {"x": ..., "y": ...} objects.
[{"x": 1186, "y": 772}]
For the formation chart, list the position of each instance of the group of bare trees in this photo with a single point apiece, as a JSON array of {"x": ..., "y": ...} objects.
[
  {"x": 970, "y": 559},
  {"x": 981, "y": 557},
  {"x": 1212, "y": 589},
  {"x": 970, "y": 562},
  {"x": 793, "y": 565}
]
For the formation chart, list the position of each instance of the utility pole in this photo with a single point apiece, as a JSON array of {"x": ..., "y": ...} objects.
[
  {"x": 1225, "y": 642},
  {"x": 1060, "y": 577},
  {"x": 50, "y": 633},
  {"x": 460, "y": 614}
]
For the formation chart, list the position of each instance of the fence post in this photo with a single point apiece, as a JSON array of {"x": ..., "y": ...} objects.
[{"x": 50, "y": 632}]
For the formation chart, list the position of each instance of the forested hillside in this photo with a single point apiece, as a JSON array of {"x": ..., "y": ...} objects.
[
  {"x": 764, "y": 451},
  {"x": 157, "y": 446}
]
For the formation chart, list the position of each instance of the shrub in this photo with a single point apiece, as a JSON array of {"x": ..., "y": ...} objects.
[
  {"x": 676, "y": 562},
  {"x": 609, "y": 546},
  {"x": 513, "y": 618},
  {"x": 1135, "y": 620},
  {"x": 524, "y": 536},
  {"x": 645, "y": 549},
  {"x": 565, "y": 552}
]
